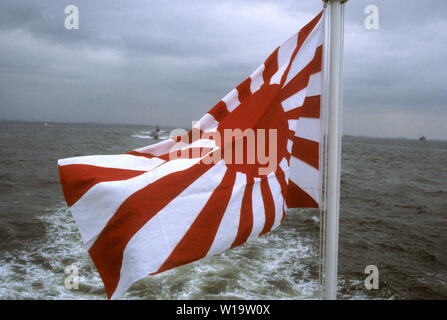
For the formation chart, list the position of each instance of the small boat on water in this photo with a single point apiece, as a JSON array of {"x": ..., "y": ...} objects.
[
  {"x": 155, "y": 133},
  {"x": 422, "y": 139}
]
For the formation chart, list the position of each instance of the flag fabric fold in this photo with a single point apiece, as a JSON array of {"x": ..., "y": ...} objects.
[{"x": 186, "y": 198}]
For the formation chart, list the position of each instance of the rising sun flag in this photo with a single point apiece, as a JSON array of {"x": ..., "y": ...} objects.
[{"x": 196, "y": 195}]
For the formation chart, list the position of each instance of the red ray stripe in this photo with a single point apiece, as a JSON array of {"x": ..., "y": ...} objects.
[
  {"x": 307, "y": 29},
  {"x": 244, "y": 89},
  {"x": 271, "y": 66},
  {"x": 140, "y": 207},
  {"x": 307, "y": 151},
  {"x": 302, "y": 36},
  {"x": 246, "y": 217},
  {"x": 188, "y": 153},
  {"x": 300, "y": 81},
  {"x": 282, "y": 181},
  {"x": 269, "y": 206},
  {"x": 150, "y": 156},
  {"x": 291, "y": 134},
  {"x": 77, "y": 179},
  {"x": 199, "y": 238},
  {"x": 139, "y": 154},
  {"x": 310, "y": 109},
  {"x": 219, "y": 111},
  {"x": 298, "y": 198},
  {"x": 292, "y": 114}
]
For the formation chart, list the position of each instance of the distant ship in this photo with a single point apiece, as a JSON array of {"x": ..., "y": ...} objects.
[
  {"x": 422, "y": 139},
  {"x": 154, "y": 133}
]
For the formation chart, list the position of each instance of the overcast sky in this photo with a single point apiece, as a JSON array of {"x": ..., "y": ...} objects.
[{"x": 169, "y": 62}]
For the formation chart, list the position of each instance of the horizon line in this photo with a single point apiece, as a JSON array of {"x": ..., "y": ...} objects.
[{"x": 166, "y": 126}]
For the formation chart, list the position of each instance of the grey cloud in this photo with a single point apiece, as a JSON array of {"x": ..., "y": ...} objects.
[{"x": 171, "y": 61}]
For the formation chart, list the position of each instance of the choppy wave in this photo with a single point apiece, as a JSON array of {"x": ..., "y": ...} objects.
[
  {"x": 36, "y": 271},
  {"x": 141, "y": 136},
  {"x": 260, "y": 269},
  {"x": 152, "y": 131},
  {"x": 149, "y": 137}
]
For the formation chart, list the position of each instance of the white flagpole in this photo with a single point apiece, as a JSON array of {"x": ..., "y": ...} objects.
[{"x": 336, "y": 20}]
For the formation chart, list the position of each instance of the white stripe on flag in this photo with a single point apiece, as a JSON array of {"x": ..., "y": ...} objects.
[
  {"x": 258, "y": 209},
  {"x": 275, "y": 189},
  {"x": 231, "y": 100},
  {"x": 276, "y": 78},
  {"x": 285, "y": 51},
  {"x": 204, "y": 143},
  {"x": 149, "y": 248},
  {"x": 308, "y": 128},
  {"x": 228, "y": 228},
  {"x": 289, "y": 145},
  {"x": 158, "y": 149},
  {"x": 207, "y": 123},
  {"x": 315, "y": 85},
  {"x": 256, "y": 79},
  {"x": 306, "y": 177},
  {"x": 98, "y": 205},
  {"x": 285, "y": 168},
  {"x": 122, "y": 161},
  {"x": 292, "y": 124},
  {"x": 307, "y": 51},
  {"x": 313, "y": 89}
]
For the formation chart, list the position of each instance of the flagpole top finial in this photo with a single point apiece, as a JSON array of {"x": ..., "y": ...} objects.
[{"x": 325, "y": 2}]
